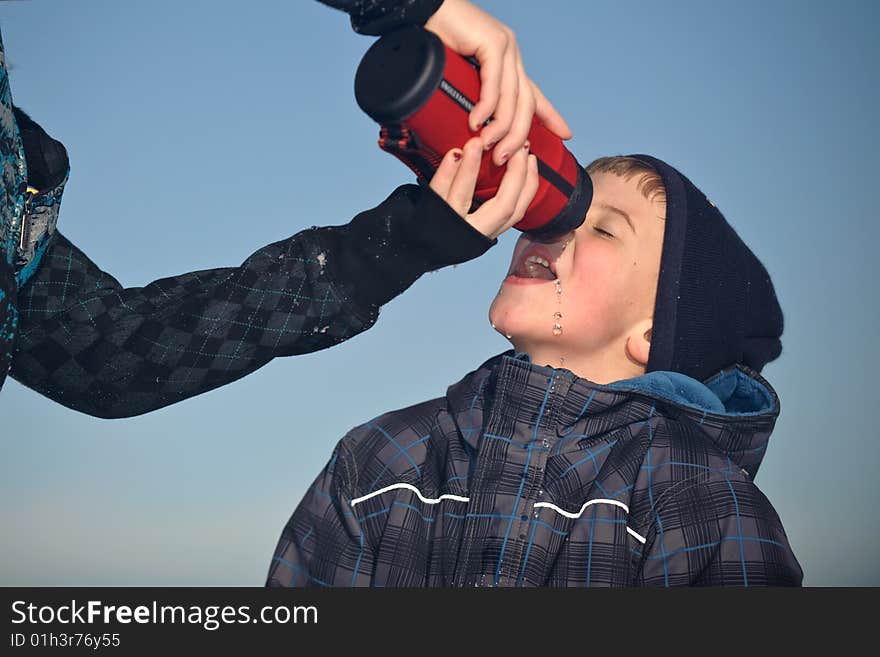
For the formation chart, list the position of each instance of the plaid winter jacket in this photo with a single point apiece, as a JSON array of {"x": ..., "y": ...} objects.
[
  {"x": 80, "y": 338},
  {"x": 530, "y": 476}
]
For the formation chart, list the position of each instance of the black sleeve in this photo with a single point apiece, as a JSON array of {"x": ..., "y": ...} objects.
[
  {"x": 375, "y": 17},
  {"x": 96, "y": 347}
]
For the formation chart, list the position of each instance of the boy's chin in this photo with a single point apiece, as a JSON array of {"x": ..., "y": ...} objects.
[{"x": 528, "y": 338}]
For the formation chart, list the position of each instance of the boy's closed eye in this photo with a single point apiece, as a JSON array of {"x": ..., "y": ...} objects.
[{"x": 613, "y": 213}]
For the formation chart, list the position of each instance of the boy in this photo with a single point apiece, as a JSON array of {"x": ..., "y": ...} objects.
[{"x": 616, "y": 446}]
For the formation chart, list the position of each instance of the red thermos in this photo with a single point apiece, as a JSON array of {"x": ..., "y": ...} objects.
[{"x": 421, "y": 92}]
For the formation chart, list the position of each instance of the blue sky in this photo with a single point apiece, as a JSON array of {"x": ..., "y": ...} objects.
[{"x": 199, "y": 131}]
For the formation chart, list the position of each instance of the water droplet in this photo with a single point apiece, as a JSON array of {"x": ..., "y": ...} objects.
[
  {"x": 508, "y": 336},
  {"x": 557, "y": 315},
  {"x": 493, "y": 325},
  {"x": 557, "y": 329}
]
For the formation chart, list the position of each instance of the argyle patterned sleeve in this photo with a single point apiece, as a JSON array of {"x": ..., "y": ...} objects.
[
  {"x": 323, "y": 543},
  {"x": 96, "y": 347},
  {"x": 722, "y": 531},
  {"x": 377, "y": 17}
]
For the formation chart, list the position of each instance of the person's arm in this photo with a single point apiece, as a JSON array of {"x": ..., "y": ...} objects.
[
  {"x": 108, "y": 351},
  {"x": 719, "y": 532},
  {"x": 323, "y": 543},
  {"x": 94, "y": 346}
]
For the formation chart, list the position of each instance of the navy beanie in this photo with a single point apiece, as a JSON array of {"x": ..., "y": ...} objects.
[{"x": 715, "y": 305}]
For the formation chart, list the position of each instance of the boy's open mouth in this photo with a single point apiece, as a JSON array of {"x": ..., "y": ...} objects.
[{"x": 535, "y": 262}]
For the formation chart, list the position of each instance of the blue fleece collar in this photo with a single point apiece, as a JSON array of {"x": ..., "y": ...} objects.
[
  {"x": 676, "y": 387},
  {"x": 731, "y": 392}
]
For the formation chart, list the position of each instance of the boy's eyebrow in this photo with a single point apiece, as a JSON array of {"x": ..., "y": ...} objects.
[{"x": 621, "y": 213}]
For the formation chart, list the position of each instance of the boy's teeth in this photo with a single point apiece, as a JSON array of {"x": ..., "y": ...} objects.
[
  {"x": 539, "y": 260},
  {"x": 536, "y": 267}
]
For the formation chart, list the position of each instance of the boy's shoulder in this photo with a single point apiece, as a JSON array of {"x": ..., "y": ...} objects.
[
  {"x": 689, "y": 466},
  {"x": 418, "y": 422},
  {"x": 396, "y": 442},
  {"x": 721, "y": 427}
]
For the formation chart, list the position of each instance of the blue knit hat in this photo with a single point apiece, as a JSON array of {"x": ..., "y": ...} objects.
[{"x": 716, "y": 306}]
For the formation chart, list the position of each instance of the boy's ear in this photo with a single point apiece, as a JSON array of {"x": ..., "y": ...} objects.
[{"x": 638, "y": 343}]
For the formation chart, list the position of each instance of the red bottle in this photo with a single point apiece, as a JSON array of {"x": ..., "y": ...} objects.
[{"x": 421, "y": 93}]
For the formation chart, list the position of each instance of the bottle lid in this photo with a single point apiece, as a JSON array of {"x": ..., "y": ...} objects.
[
  {"x": 399, "y": 73},
  {"x": 572, "y": 215}
]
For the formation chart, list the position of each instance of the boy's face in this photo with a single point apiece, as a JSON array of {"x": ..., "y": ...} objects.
[{"x": 602, "y": 280}]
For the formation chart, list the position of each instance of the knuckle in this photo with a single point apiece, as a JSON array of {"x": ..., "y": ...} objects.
[
  {"x": 532, "y": 101},
  {"x": 506, "y": 111}
]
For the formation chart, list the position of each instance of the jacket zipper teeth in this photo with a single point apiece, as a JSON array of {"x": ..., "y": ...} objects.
[{"x": 29, "y": 194}]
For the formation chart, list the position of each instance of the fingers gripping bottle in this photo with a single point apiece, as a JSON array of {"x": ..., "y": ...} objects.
[{"x": 421, "y": 92}]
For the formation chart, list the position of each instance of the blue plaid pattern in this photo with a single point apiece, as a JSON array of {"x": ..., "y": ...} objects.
[{"x": 529, "y": 476}]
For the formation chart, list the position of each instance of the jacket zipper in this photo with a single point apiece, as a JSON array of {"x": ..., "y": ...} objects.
[{"x": 29, "y": 195}]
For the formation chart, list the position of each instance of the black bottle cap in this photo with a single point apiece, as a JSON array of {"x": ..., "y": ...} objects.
[
  {"x": 399, "y": 73},
  {"x": 572, "y": 215}
]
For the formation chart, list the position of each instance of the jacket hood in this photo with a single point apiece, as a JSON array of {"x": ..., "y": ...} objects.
[
  {"x": 715, "y": 303},
  {"x": 736, "y": 408}
]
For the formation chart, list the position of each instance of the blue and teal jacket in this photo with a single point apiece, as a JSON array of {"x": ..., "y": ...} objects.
[
  {"x": 28, "y": 214},
  {"x": 526, "y": 475}
]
